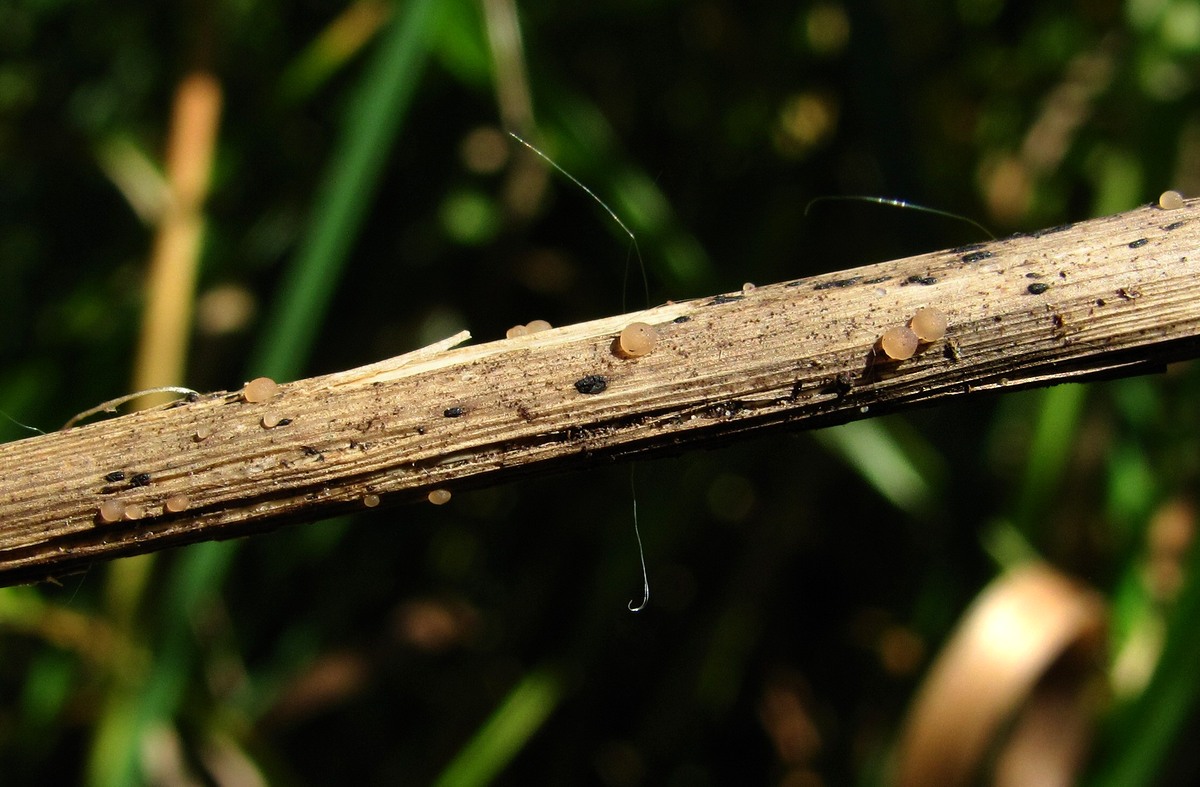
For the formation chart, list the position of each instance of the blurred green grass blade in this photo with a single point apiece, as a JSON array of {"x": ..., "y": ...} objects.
[
  {"x": 1007, "y": 546},
  {"x": 727, "y": 657},
  {"x": 134, "y": 710},
  {"x": 1132, "y": 486},
  {"x": 876, "y": 456},
  {"x": 342, "y": 200},
  {"x": 1118, "y": 179},
  {"x": 503, "y": 735},
  {"x": 462, "y": 47},
  {"x": 340, "y": 41},
  {"x": 1136, "y": 633},
  {"x": 1140, "y": 735},
  {"x": 1049, "y": 451},
  {"x": 44, "y": 696}
]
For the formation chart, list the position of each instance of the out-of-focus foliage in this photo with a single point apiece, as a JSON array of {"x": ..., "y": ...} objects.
[{"x": 365, "y": 202}]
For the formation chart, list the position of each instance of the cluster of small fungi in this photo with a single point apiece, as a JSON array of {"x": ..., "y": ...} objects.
[
  {"x": 900, "y": 343},
  {"x": 534, "y": 326},
  {"x": 115, "y": 510}
]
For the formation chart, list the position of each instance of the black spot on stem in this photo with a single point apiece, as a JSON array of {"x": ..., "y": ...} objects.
[
  {"x": 592, "y": 384},
  {"x": 837, "y": 283},
  {"x": 717, "y": 301}
]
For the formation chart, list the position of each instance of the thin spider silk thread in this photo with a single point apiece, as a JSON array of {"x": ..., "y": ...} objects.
[
  {"x": 641, "y": 554},
  {"x": 624, "y": 293},
  {"x": 633, "y": 238},
  {"x": 18, "y": 423},
  {"x": 899, "y": 203}
]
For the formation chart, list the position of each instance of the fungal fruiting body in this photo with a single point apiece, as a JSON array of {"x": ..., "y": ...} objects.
[
  {"x": 439, "y": 497},
  {"x": 176, "y": 503},
  {"x": 370, "y": 501},
  {"x": 636, "y": 340},
  {"x": 1170, "y": 200},
  {"x": 928, "y": 324},
  {"x": 260, "y": 389},
  {"x": 111, "y": 511},
  {"x": 533, "y": 326},
  {"x": 134, "y": 511},
  {"x": 272, "y": 420},
  {"x": 899, "y": 343}
]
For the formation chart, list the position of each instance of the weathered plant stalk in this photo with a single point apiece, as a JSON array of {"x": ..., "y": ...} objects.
[{"x": 1117, "y": 295}]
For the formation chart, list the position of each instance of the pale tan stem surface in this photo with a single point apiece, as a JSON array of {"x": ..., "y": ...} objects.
[{"x": 1117, "y": 295}]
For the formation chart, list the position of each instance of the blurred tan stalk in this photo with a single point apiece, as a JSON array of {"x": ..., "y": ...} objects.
[{"x": 171, "y": 279}]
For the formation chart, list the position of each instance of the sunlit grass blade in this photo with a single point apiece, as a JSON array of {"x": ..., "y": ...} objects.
[
  {"x": 882, "y": 462},
  {"x": 375, "y": 114},
  {"x": 1049, "y": 451},
  {"x": 510, "y": 727}
]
